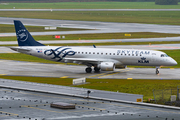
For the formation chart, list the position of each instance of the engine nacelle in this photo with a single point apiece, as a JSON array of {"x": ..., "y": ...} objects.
[{"x": 107, "y": 66}]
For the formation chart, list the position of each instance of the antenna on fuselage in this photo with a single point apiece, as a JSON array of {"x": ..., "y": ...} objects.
[{"x": 94, "y": 46}]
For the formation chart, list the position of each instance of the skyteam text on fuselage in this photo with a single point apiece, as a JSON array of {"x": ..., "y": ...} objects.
[{"x": 102, "y": 59}]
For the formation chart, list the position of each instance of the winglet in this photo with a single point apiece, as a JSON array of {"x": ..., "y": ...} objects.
[
  {"x": 94, "y": 46},
  {"x": 23, "y": 36}
]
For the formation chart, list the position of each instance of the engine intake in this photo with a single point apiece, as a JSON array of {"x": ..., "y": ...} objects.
[{"x": 107, "y": 66}]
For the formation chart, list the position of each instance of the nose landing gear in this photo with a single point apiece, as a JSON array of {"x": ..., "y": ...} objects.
[{"x": 157, "y": 70}]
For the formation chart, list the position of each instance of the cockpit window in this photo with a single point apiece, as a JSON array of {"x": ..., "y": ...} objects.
[{"x": 164, "y": 55}]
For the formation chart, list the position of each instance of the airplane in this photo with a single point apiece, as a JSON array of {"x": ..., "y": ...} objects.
[{"x": 101, "y": 59}]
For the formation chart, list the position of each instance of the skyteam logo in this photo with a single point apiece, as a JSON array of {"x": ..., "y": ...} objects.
[
  {"x": 143, "y": 60},
  {"x": 59, "y": 53},
  {"x": 22, "y": 35}
]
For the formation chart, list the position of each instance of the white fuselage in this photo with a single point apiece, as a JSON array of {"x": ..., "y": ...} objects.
[{"x": 87, "y": 56}]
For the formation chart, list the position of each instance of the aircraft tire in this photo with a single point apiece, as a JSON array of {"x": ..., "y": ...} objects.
[
  {"x": 96, "y": 69},
  {"x": 88, "y": 70},
  {"x": 157, "y": 71}
]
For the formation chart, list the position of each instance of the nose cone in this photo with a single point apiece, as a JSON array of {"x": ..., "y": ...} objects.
[{"x": 173, "y": 62}]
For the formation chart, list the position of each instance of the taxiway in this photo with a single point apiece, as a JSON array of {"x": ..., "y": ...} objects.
[{"x": 19, "y": 68}]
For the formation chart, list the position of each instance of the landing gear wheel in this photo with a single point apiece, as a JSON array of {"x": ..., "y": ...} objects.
[
  {"x": 157, "y": 70},
  {"x": 96, "y": 69},
  {"x": 88, "y": 70}
]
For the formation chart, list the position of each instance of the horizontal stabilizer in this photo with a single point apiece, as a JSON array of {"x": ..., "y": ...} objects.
[{"x": 20, "y": 49}]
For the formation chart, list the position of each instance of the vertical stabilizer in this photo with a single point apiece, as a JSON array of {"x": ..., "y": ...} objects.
[{"x": 23, "y": 36}]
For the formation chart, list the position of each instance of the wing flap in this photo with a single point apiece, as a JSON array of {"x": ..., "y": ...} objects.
[{"x": 83, "y": 60}]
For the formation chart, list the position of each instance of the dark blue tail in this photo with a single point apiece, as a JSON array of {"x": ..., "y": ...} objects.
[{"x": 23, "y": 36}]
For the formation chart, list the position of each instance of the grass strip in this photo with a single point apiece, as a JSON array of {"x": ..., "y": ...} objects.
[
  {"x": 148, "y": 17},
  {"x": 110, "y": 43},
  {"x": 48, "y": 80},
  {"x": 116, "y": 43},
  {"x": 10, "y": 28},
  {"x": 98, "y": 36},
  {"x": 134, "y": 86},
  {"x": 88, "y": 5}
]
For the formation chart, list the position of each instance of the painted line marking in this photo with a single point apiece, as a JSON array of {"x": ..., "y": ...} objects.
[
  {"x": 9, "y": 113},
  {"x": 2, "y": 74},
  {"x": 34, "y": 105},
  {"x": 106, "y": 74},
  {"x": 58, "y": 111},
  {"x": 91, "y": 107},
  {"x": 129, "y": 78},
  {"x": 64, "y": 77},
  {"x": 116, "y": 72},
  {"x": 4, "y": 115},
  {"x": 97, "y": 75}
]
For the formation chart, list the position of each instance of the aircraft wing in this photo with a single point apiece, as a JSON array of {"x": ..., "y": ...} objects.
[{"x": 86, "y": 61}]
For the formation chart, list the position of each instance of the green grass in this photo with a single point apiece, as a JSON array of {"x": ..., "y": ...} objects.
[
  {"x": 10, "y": 28},
  {"x": 48, "y": 80},
  {"x": 109, "y": 43},
  {"x": 175, "y": 54},
  {"x": 149, "y": 17},
  {"x": 89, "y": 5},
  {"x": 143, "y": 87},
  {"x": 113, "y": 43},
  {"x": 23, "y": 57},
  {"x": 98, "y": 36}
]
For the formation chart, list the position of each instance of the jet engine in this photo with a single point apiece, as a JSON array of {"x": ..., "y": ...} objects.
[{"x": 107, "y": 66}]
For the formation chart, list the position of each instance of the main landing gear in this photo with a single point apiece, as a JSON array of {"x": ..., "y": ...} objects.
[
  {"x": 157, "y": 70},
  {"x": 89, "y": 69},
  {"x": 96, "y": 69}
]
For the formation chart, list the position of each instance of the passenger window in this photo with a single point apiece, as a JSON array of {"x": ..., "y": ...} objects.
[
  {"x": 89, "y": 52},
  {"x": 113, "y": 53}
]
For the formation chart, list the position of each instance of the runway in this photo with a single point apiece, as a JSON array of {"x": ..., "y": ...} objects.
[
  {"x": 26, "y": 105},
  {"x": 95, "y": 27},
  {"x": 19, "y": 68}
]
